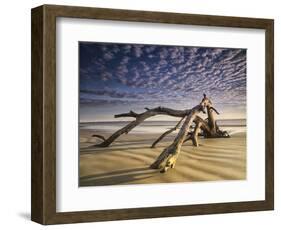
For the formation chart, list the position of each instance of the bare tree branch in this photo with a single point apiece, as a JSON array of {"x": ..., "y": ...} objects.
[
  {"x": 99, "y": 136},
  {"x": 139, "y": 119},
  {"x": 207, "y": 128},
  {"x": 167, "y": 159},
  {"x": 166, "y": 133}
]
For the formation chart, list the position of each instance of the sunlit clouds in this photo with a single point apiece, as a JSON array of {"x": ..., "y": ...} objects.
[{"x": 121, "y": 77}]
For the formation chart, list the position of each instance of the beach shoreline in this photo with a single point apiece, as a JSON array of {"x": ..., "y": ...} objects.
[{"x": 128, "y": 159}]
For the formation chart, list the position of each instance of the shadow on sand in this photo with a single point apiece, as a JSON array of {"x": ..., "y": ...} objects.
[{"x": 118, "y": 177}]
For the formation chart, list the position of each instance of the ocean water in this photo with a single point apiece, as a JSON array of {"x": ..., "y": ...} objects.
[{"x": 230, "y": 125}]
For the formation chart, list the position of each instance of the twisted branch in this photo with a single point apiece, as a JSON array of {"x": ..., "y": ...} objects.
[{"x": 166, "y": 133}]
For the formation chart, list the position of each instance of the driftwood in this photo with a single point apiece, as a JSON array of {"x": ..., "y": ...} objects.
[
  {"x": 99, "y": 136},
  {"x": 167, "y": 159},
  {"x": 207, "y": 128},
  {"x": 139, "y": 119},
  {"x": 166, "y": 133}
]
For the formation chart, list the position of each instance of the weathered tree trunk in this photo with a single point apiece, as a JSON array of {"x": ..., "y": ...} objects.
[
  {"x": 195, "y": 133},
  {"x": 199, "y": 124},
  {"x": 207, "y": 128},
  {"x": 167, "y": 159},
  {"x": 211, "y": 120},
  {"x": 214, "y": 130}
]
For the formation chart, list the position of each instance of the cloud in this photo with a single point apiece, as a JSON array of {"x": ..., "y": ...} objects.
[
  {"x": 108, "y": 56},
  {"x": 163, "y": 73},
  {"x": 138, "y": 50}
]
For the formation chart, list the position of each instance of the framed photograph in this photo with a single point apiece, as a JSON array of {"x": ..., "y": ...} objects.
[{"x": 141, "y": 114}]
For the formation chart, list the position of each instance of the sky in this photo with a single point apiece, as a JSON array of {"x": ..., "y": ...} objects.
[{"x": 116, "y": 78}]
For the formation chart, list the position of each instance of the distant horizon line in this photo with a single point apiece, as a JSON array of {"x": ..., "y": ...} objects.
[{"x": 226, "y": 119}]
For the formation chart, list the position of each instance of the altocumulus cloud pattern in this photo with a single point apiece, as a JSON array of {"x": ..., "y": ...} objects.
[{"x": 133, "y": 76}]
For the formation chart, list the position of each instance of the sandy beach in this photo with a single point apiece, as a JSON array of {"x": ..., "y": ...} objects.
[{"x": 127, "y": 160}]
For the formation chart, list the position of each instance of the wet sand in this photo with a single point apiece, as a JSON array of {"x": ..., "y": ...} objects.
[{"x": 127, "y": 160}]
